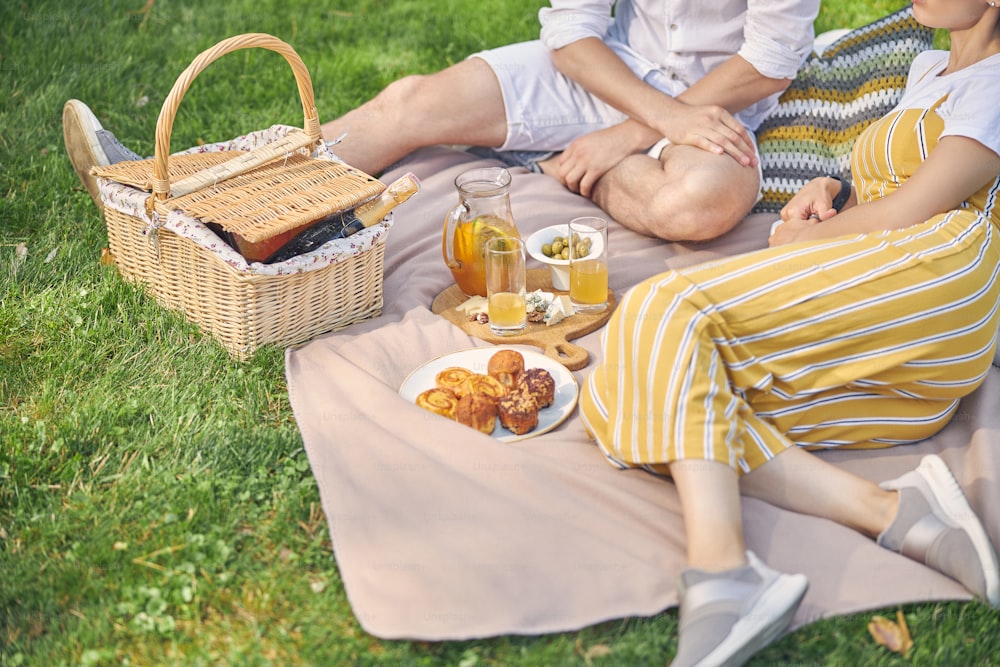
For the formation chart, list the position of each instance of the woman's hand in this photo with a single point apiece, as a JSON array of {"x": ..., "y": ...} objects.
[
  {"x": 814, "y": 202},
  {"x": 811, "y": 205},
  {"x": 790, "y": 231}
]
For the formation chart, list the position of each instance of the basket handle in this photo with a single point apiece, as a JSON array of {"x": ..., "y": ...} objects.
[{"x": 293, "y": 141}]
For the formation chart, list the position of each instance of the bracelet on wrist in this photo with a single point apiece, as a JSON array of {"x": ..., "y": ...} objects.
[{"x": 840, "y": 201}]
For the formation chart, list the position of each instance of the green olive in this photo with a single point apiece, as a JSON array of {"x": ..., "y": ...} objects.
[{"x": 547, "y": 249}]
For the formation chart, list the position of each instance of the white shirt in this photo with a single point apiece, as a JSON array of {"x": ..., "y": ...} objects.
[
  {"x": 972, "y": 107},
  {"x": 682, "y": 40}
]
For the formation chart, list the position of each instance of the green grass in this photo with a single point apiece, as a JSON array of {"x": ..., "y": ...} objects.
[{"x": 156, "y": 506}]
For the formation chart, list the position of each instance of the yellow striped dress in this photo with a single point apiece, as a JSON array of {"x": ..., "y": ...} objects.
[{"x": 859, "y": 341}]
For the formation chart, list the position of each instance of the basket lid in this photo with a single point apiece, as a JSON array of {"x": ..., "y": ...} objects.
[{"x": 264, "y": 202}]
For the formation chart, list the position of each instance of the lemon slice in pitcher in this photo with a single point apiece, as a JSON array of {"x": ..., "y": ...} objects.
[{"x": 487, "y": 227}]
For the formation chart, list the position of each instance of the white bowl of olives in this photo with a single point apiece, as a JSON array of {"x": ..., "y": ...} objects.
[{"x": 550, "y": 246}]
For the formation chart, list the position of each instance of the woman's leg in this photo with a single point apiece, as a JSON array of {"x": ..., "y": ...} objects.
[
  {"x": 923, "y": 515},
  {"x": 710, "y": 500},
  {"x": 798, "y": 481},
  {"x": 731, "y": 604},
  {"x": 859, "y": 341}
]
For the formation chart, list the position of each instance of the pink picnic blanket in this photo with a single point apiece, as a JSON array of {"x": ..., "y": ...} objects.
[{"x": 442, "y": 533}]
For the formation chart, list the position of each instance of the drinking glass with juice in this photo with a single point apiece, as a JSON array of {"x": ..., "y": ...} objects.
[
  {"x": 588, "y": 264},
  {"x": 506, "y": 283}
]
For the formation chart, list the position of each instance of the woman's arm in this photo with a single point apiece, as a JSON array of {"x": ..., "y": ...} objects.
[{"x": 955, "y": 170}]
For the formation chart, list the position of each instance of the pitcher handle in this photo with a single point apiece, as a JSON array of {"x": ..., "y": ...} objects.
[{"x": 450, "y": 223}]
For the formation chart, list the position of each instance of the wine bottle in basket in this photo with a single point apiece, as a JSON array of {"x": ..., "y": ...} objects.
[{"x": 344, "y": 223}]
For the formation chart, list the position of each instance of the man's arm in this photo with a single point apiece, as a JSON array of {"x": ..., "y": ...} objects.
[
  {"x": 778, "y": 35},
  {"x": 692, "y": 118},
  {"x": 734, "y": 85}
]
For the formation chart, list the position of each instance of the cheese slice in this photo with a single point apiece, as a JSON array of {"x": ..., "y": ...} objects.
[
  {"x": 560, "y": 308},
  {"x": 474, "y": 305},
  {"x": 537, "y": 301}
]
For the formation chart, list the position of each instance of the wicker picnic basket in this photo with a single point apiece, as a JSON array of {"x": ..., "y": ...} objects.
[{"x": 275, "y": 187}]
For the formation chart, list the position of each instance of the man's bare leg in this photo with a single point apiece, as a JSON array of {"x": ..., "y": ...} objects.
[
  {"x": 458, "y": 105},
  {"x": 686, "y": 195}
]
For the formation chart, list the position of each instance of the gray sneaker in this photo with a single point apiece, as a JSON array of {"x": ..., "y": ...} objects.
[
  {"x": 89, "y": 145},
  {"x": 726, "y": 617},
  {"x": 936, "y": 526}
]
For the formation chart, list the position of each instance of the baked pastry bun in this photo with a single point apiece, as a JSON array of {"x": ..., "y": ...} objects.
[
  {"x": 506, "y": 366},
  {"x": 452, "y": 377},
  {"x": 518, "y": 411},
  {"x": 439, "y": 400},
  {"x": 540, "y": 384},
  {"x": 477, "y": 383},
  {"x": 478, "y": 411}
]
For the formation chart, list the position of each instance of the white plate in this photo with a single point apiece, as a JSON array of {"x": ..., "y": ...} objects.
[{"x": 476, "y": 360}]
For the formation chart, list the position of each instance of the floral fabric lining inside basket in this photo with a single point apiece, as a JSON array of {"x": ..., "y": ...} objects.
[{"x": 132, "y": 201}]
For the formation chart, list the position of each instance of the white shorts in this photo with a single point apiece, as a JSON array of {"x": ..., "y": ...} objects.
[{"x": 545, "y": 109}]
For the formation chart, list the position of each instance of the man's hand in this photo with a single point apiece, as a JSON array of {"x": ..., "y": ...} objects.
[
  {"x": 710, "y": 128},
  {"x": 589, "y": 157}
]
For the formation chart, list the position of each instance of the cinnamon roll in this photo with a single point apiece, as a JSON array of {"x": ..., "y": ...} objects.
[
  {"x": 452, "y": 377},
  {"x": 477, "y": 383},
  {"x": 439, "y": 400}
]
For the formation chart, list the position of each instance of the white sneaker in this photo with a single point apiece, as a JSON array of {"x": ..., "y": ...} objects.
[
  {"x": 936, "y": 526},
  {"x": 726, "y": 617}
]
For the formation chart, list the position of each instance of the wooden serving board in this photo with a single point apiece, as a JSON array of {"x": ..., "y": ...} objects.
[{"x": 554, "y": 340}]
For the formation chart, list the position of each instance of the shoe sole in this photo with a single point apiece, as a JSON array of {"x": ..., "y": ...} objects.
[
  {"x": 764, "y": 622},
  {"x": 82, "y": 146},
  {"x": 956, "y": 508}
]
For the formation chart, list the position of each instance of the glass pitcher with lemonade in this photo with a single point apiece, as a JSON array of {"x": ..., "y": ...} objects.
[{"x": 483, "y": 212}]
